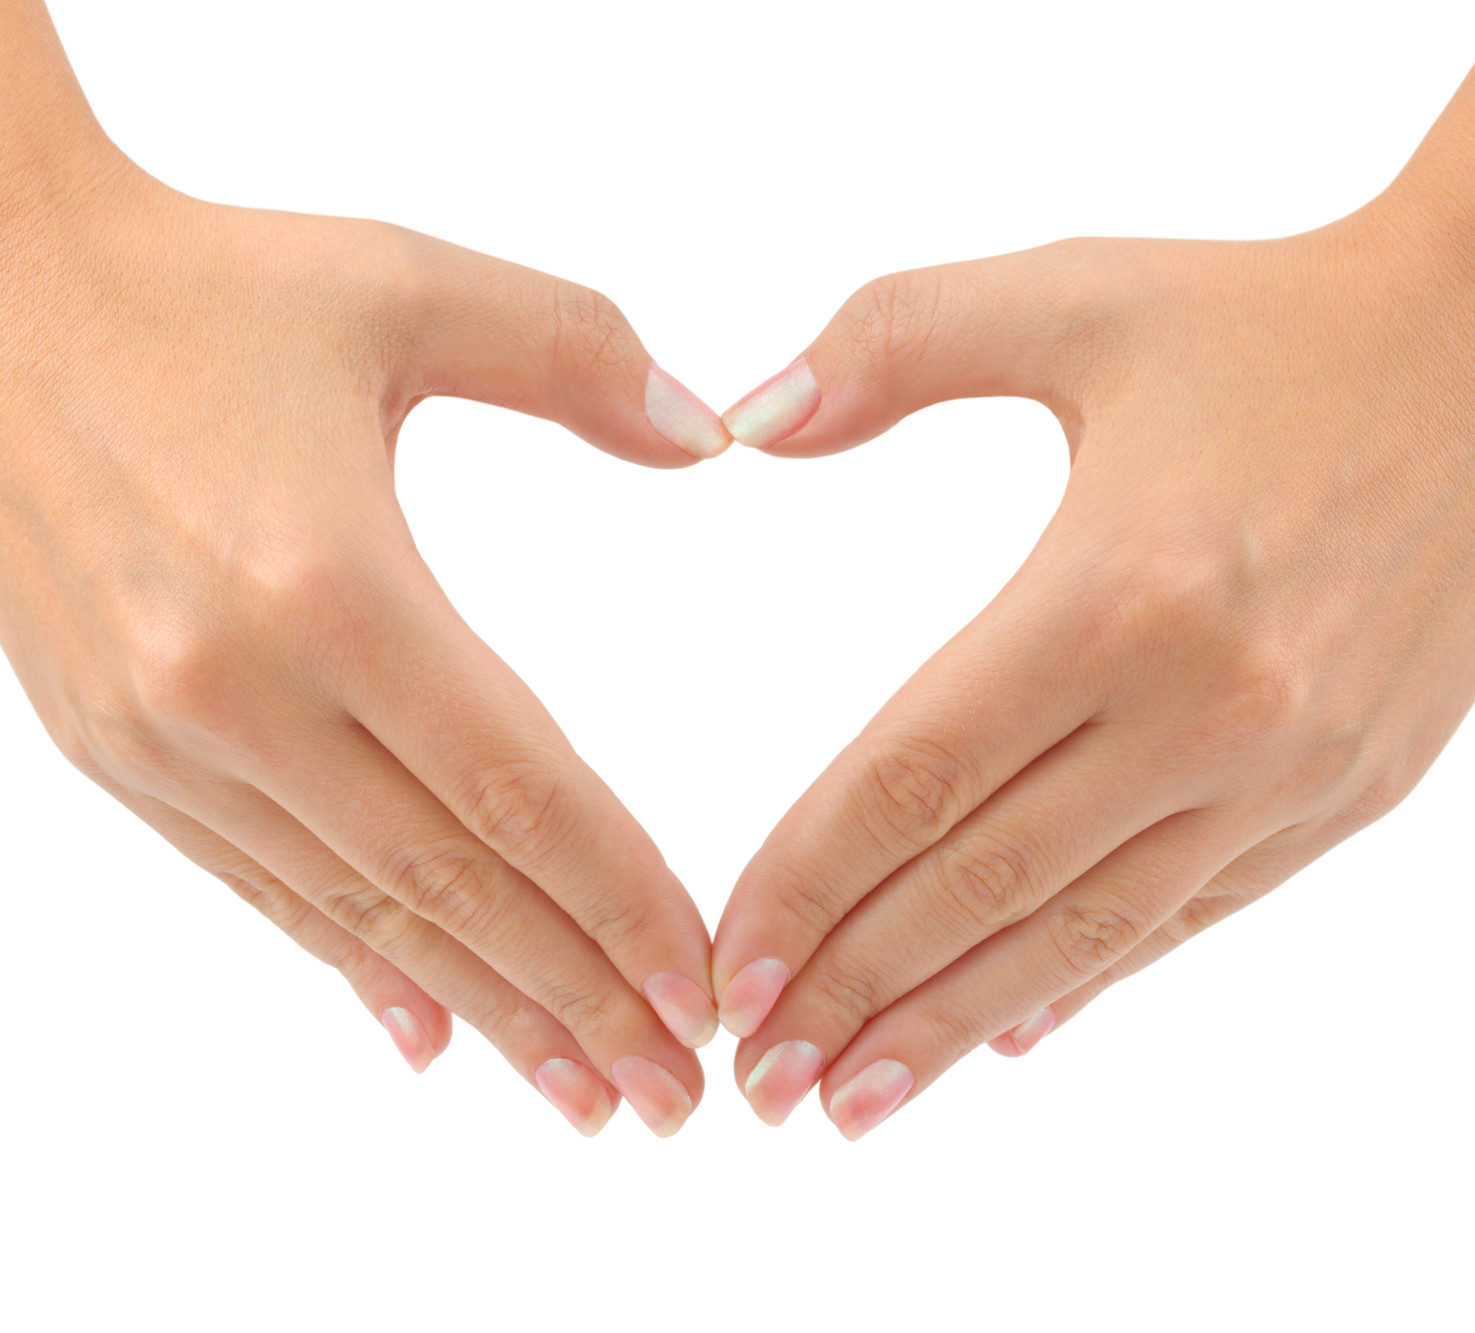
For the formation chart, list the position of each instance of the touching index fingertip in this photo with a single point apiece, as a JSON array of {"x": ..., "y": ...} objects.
[{"x": 776, "y": 408}]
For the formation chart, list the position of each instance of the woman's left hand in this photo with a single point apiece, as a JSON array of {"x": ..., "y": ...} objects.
[{"x": 1247, "y": 632}]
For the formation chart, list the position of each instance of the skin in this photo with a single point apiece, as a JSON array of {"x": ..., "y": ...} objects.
[
  {"x": 212, "y": 598},
  {"x": 1246, "y": 633}
]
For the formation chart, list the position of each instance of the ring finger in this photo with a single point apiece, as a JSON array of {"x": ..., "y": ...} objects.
[
  {"x": 1081, "y": 932},
  {"x": 540, "y": 1048}
]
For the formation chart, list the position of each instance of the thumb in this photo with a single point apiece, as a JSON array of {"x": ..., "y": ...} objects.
[
  {"x": 497, "y": 332},
  {"x": 1008, "y": 325}
]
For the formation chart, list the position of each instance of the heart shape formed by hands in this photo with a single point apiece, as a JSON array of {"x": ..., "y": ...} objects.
[{"x": 214, "y": 602}]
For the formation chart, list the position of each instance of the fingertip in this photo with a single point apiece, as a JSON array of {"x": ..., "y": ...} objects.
[
  {"x": 868, "y": 1098},
  {"x": 681, "y": 418},
  {"x": 1024, "y": 1037},
  {"x": 409, "y": 1036},
  {"x": 577, "y": 1093},
  {"x": 750, "y": 996},
  {"x": 776, "y": 409},
  {"x": 1033, "y": 1030},
  {"x": 683, "y": 1006},
  {"x": 661, "y": 1100},
  {"x": 438, "y": 1024}
]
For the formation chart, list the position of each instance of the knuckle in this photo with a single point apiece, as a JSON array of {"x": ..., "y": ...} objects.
[
  {"x": 368, "y": 914},
  {"x": 285, "y": 610},
  {"x": 589, "y": 330},
  {"x": 1098, "y": 282},
  {"x": 951, "y": 1031},
  {"x": 1197, "y": 915},
  {"x": 273, "y": 899},
  {"x": 262, "y": 891},
  {"x": 618, "y": 922},
  {"x": 985, "y": 883},
  {"x": 395, "y": 261},
  {"x": 518, "y": 806},
  {"x": 1163, "y": 605},
  {"x": 1261, "y": 692},
  {"x": 915, "y": 790},
  {"x": 306, "y": 593},
  {"x": 71, "y": 740},
  {"x": 1154, "y": 591},
  {"x": 1090, "y": 938},
  {"x": 178, "y": 679},
  {"x": 496, "y": 1012},
  {"x": 445, "y": 885},
  {"x": 855, "y": 994},
  {"x": 121, "y": 743},
  {"x": 1379, "y": 797},
  {"x": 582, "y": 1006},
  {"x": 803, "y": 900},
  {"x": 892, "y": 320}
]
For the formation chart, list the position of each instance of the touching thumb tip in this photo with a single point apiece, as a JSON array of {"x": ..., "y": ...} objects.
[
  {"x": 776, "y": 408},
  {"x": 679, "y": 416}
]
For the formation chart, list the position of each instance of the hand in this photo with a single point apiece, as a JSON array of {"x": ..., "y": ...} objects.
[
  {"x": 212, "y": 599},
  {"x": 1246, "y": 633}
]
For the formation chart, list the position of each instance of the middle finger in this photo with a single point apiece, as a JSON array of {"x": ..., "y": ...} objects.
[
  {"x": 413, "y": 852},
  {"x": 1043, "y": 830}
]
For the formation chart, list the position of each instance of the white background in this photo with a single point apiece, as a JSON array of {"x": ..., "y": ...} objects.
[{"x": 202, "y": 1128}]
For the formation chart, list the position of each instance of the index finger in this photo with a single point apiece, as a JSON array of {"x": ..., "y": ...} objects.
[
  {"x": 1003, "y": 691},
  {"x": 471, "y": 731}
]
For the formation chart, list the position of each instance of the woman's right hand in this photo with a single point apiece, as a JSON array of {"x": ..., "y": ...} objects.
[{"x": 212, "y": 599}]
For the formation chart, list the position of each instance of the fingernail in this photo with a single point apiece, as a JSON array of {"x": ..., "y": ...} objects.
[
  {"x": 681, "y": 417},
  {"x": 1032, "y": 1031},
  {"x": 656, "y": 1094},
  {"x": 409, "y": 1037},
  {"x": 750, "y": 995},
  {"x": 871, "y": 1096},
  {"x": 781, "y": 1079},
  {"x": 577, "y": 1093},
  {"x": 775, "y": 409},
  {"x": 683, "y": 1007}
]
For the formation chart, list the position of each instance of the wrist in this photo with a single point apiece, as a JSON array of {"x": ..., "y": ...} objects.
[
  {"x": 1426, "y": 218},
  {"x": 57, "y": 166}
]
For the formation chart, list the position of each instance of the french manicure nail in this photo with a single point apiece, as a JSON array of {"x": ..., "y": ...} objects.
[
  {"x": 781, "y": 1079},
  {"x": 751, "y": 994},
  {"x": 871, "y": 1096},
  {"x": 681, "y": 417},
  {"x": 1033, "y": 1030},
  {"x": 683, "y": 1007},
  {"x": 658, "y": 1096},
  {"x": 409, "y": 1037},
  {"x": 775, "y": 409},
  {"x": 576, "y": 1093}
]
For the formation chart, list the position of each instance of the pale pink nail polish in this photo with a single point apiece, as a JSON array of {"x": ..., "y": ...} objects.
[
  {"x": 409, "y": 1037},
  {"x": 681, "y": 417},
  {"x": 871, "y": 1096},
  {"x": 577, "y": 1094},
  {"x": 1033, "y": 1030},
  {"x": 658, "y": 1096},
  {"x": 781, "y": 1079},
  {"x": 683, "y": 1007},
  {"x": 775, "y": 409},
  {"x": 750, "y": 995}
]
